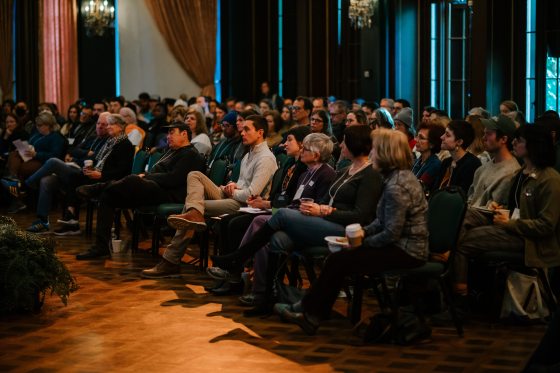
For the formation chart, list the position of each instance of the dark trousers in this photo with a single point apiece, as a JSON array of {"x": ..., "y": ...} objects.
[
  {"x": 322, "y": 295},
  {"x": 232, "y": 230},
  {"x": 479, "y": 235},
  {"x": 129, "y": 192}
]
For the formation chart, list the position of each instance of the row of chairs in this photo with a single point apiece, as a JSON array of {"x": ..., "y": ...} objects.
[{"x": 446, "y": 211}]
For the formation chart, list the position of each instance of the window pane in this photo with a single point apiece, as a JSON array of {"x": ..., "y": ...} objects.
[
  {"x": 457, "y": 16},
  {"x": 552, "y": 67},
  {"x": 530, "y": 99},
  {"x": 531, "y": 43},
  {"x": 456, "y": 65},
  {"x": 434, "y": 93},
  {"x": 456, "y": 96},
  {"x": 551, "y": 94}
]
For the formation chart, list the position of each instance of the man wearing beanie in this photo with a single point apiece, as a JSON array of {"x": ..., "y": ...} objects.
[
  {"x": 404, "y": 123},
  {"x": 226, "y": 148}
]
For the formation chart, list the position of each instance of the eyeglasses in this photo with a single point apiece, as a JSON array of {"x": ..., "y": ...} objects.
[
  {"x": 294, "y": 108},
  {"x": 316, "y": 120},
  {"x": 421, "y": 138},
  {"x": 226, "y": 124}
]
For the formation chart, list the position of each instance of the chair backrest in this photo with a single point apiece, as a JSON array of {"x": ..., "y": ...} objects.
[
  {"x": 139, "y": 162},
  {"x": 218, "y": 172},
  {"x": 446, "y": 210},
  {"x": 154, "y": 157},
  {"x": 282, "y": 159},
  {"x": 235, "y": 171}
]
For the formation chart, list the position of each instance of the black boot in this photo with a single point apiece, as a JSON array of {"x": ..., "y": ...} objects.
[
  {"x": 263, "y": 307},
  {"x": 240, "y": 256}
]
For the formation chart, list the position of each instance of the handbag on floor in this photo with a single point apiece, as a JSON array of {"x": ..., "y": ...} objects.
[{"x": 522, "y": 298}]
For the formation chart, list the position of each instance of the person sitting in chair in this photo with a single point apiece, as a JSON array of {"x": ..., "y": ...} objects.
[{"x": 529, "y": 224}]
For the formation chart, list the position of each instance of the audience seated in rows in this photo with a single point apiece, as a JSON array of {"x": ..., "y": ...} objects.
[
  {"x": 204, "y": 198},
  {"x": 165, "y": 182},
  {"x": 111, "y": 154}
]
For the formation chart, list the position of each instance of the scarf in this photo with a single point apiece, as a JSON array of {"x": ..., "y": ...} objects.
[{"x": 106, "y": 150}]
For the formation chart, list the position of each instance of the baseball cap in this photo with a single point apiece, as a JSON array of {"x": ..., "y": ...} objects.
[
  {"x": 178, "y": 124},
  {"x": 502, "y": 123}
]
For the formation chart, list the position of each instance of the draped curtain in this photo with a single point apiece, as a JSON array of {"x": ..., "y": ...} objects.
[
  {"x": 6, "y": 34},
  {"x": 59, "y": 53},
  {"x": 189, "y": 28}
]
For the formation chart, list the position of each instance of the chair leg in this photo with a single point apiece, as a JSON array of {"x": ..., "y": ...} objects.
[
  {"x": 117, "y": 223},
  {"x": 293, "y": 274},
  {"x": 355, "y": 313},
  {"x": 452, "y": 311},
  {"x": 156, "y": 235},
  {"x": 89, "y": 218},
  {"x": 203, "y": 244},
  {"x": 135, "y": 231}
]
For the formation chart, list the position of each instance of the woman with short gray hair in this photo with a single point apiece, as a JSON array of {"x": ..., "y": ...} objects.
[{"x": 319, "y": 143}]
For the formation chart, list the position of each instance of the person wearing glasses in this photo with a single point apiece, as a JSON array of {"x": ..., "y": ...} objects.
[
  {"x": 301, "y": 110},
  {"x": 428, "y": 143},
  {"x": 338, "y": 118},
  {"x": 353, "y": 118}
]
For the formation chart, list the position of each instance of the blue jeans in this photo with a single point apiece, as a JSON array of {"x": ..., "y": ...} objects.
[
  {"x": 49, "y": 178},
  {"x": 303, "y": 229}
]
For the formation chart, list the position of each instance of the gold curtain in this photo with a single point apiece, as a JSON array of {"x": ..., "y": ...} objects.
[
  {"x": 59, "y": 52},
  {"x": 189, "y": 28},
  {"x": 6, "y": 68}
]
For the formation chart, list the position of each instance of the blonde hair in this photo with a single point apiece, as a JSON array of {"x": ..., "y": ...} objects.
[
  {"x": 441, "y": 121},
  {"x": 392, "y": 150},
  {"x": 200, "y": 122}
]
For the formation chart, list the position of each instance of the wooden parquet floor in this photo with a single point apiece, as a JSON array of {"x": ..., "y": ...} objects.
[{"x": 118, "y": 322}]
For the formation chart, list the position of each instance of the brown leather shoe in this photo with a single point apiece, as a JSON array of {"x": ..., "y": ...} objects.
[
  {"x": 192, "y": 219},
  {"x": 163, "y": 269}
]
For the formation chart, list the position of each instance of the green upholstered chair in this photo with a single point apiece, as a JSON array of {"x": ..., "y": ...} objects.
[{"x": 446, "y": 211}]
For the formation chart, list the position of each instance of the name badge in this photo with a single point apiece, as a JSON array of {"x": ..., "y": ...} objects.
[
  {"x": 299, "y": 192},
  {"x": 515, "y": 214},
  {"x": 70, "y": 140}
]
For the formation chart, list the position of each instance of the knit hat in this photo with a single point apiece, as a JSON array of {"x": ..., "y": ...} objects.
[
  {"x": 502, "y": 123},
  {"x": 230, "y": 118},
  {"x": 405, "y": 116}
]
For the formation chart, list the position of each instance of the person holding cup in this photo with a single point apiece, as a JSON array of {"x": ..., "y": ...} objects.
[
  {"x": 312, "y": 151},
  {"x": 351, "y": 198},
  {"x": 531, "y": 223},
  {"x": 397, "y": 238},
  {"x": 108, "y": 157}
]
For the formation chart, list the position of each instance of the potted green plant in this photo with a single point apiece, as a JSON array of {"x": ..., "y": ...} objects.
[{"x": 29, "y": 268}]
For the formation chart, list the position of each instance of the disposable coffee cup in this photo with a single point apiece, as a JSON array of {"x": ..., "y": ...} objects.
[
  {"x": 117, "y": 246},
  {"x": 503, "y": 212},
  {"x": 88, "y": 163},
  {"x": 306, "y": 200},
  {"x": 355, "y": 235}
]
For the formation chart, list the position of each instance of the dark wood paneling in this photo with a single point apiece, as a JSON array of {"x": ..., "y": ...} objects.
[{"x": 27, "y": 53}]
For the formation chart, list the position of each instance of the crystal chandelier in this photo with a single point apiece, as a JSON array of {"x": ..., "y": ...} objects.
[
  {"x": 360, "y": 12},
  {"x": 98, "y": 16}
]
